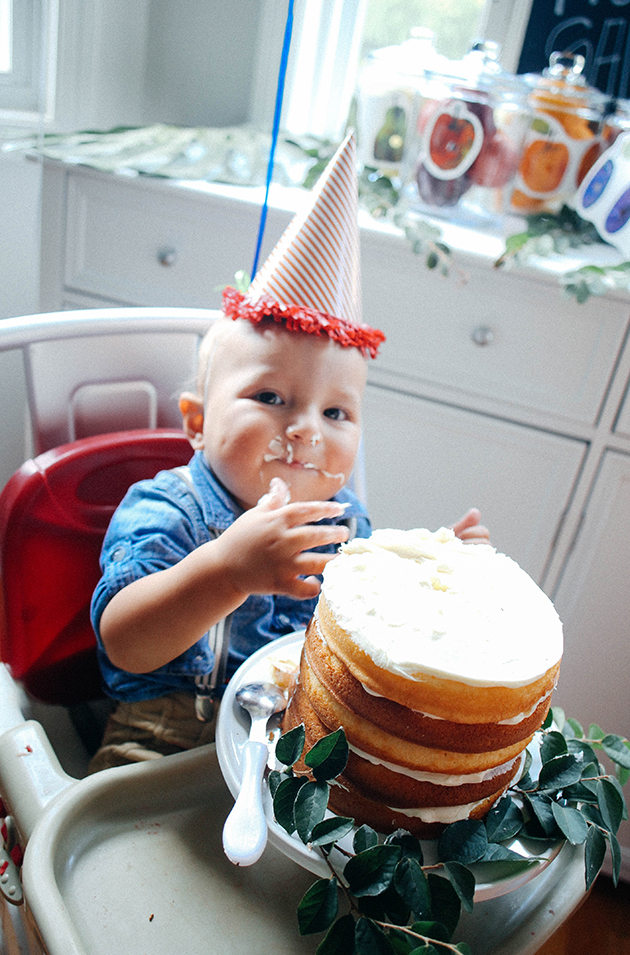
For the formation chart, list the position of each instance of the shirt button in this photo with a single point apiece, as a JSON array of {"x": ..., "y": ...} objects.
[
  {"x": 283, "y": 620},
  {"x": 118, "y": 554}
]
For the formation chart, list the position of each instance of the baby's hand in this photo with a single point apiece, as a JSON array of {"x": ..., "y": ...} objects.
[
  {"x": 268, "y": 549},
  {"x": 469, "y": 529}
]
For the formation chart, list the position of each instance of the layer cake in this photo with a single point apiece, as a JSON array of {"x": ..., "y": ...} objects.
[{"x": 438, "y": 658}]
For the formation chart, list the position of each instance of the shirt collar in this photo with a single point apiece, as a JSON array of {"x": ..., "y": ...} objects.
[{"x": 219, "y": 507}]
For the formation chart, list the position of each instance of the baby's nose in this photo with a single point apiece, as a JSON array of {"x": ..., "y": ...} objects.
[{"x": 304, "y": 427}]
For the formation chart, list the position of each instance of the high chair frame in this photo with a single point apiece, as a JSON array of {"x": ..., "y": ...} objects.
[{"x": 130, "y": 859}]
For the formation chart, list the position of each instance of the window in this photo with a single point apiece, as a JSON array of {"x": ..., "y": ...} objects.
[
  {"x": 454, "y": 23},
  {"x": 6, "y": 46},
  {"x": 332, "y": 37},
  {"x": 28, "y": 35}
]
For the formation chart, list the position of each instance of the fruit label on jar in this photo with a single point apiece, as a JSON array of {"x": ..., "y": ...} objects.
[
  {"x": 553, "y": 164},
  {"x": 604, "y": 195},
  {"x": 451, "y": 140}
]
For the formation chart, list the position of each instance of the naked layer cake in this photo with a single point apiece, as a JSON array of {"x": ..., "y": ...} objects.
[{"x": 438, "y": 658}]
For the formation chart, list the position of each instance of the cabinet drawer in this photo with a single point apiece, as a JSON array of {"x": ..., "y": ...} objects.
[
  {"x": 622, "y": 424},
  {"x": 501, "y": 338},
  {"x": 145, "y": 245},
  {"x": 427, "y": 463}
]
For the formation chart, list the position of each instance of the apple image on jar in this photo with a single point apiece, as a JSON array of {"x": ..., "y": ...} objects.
[{"x": 451, "y": 141}]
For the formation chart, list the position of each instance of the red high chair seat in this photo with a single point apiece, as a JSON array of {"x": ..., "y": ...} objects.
[{"x": 54, "y": 512}]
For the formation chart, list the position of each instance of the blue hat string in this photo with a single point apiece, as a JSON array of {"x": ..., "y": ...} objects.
[{"x": 284, "y": 59}]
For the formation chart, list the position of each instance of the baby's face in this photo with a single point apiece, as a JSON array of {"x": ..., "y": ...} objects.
[{"x": 282, "y": 404}]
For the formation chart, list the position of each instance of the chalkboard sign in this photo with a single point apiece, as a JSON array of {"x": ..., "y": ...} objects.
[{"x": 598, "y": 29}]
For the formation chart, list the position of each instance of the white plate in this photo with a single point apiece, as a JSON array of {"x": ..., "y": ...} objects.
[{"x": 232, "y": 734}]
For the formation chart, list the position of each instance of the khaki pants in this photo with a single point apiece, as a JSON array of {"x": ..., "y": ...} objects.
[{"x": 149, "y": 729}]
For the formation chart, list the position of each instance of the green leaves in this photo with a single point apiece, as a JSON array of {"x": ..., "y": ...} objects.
[
  {"x": 372, "y": 871},
  {"x": 309, "y": 808},
  {"x": 550, "y": 234},
  {"x": 329, "y": 756},
  {"x": 399, "y": 906},
  {"x": 290, "y": 745},
  {"x": 571, "y": 822},
  {"x": 617, "y": 749},
  {"x": 595, "y": 852},
  {"x": 465, "y": 841},
  {"x": 558, "y": 772},
  {"x": 318, "y": 909},
  {"x": 412, "y": 886}
]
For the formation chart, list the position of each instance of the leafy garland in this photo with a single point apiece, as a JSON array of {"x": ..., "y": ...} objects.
[
  {"x": 397, "y": 905},
  {"x": 548, "y": 233}
]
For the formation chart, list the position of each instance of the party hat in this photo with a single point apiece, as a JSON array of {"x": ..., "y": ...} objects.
[{"x": 311, "y": 281}]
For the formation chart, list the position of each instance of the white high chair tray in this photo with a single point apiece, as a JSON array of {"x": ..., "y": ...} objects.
[
  {"x": 130, "y": 861},
  {"x": 232, "y": 734}
]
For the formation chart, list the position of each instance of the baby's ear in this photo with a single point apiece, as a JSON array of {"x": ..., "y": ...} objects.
[{"x": 191, "y": 408}]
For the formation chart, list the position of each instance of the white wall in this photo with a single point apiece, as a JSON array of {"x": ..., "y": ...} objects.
[
  {"x": 199, "y": 62},
  {"x": 128, "y": 62},
  {"x": 19, "y": 235}
]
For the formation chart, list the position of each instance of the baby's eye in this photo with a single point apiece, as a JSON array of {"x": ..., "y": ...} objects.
[
  {"x": 268, "y": 398},
  {"x": 337, "y": 414}
]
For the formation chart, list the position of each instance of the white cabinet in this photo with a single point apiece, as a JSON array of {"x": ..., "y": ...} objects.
[
  {"x": 495, "y": 391},
  {"x": 501, "y": 341},
  {"x": 427, "y": 463},
  {"x": 593, "y": 600}
]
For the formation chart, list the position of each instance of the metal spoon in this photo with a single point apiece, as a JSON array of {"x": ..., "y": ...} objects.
[{"x": 245, "y": 829}]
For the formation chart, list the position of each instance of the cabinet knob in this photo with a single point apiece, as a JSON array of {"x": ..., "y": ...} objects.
[
  {"x": 167, "y": 257},
  {"x": 483, "y": 335}
]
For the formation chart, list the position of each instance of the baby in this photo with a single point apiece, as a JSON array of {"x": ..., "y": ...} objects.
[{"x": 203, "y": 567}]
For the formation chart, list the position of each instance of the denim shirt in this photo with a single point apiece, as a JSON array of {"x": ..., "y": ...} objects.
[{"x": 160, "y": 521}]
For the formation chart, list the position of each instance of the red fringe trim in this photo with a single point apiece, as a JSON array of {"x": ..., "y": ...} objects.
[{"x": 303, "y": 319}]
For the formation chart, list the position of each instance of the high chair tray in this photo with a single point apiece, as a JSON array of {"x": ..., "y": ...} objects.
[{"x": 130, "y": 861}]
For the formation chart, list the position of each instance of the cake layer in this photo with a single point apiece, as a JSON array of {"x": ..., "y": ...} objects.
[
  {"x": 368, "y": 738},
  {"x": 428, "y": 604},
  {"x": 386, "y": 782},
  {"x": 446, "y": 699},
  {"x": 400, "y": 720},
  {"x": 427, "y": 823}
]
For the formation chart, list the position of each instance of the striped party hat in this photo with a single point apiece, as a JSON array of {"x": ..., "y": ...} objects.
[{"x": 311, "y": 281}]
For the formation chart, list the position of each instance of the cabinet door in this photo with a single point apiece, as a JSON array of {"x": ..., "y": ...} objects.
[
  {"x": 593, "y": 600},
  {"x": 427, "y": 463}
]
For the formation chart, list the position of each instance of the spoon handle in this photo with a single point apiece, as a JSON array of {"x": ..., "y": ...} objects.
[{"x": 245, "y": 829}]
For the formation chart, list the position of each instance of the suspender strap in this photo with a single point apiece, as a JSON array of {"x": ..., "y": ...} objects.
[{"x": 208, "y": 685}]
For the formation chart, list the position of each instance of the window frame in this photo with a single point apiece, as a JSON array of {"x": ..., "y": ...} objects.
[
  {"x": 308, "y": 107},
  {"x": 27, "y": 93}
]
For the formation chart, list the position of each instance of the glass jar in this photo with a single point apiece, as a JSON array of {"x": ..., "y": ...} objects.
[
  {"x": 571, "y": 126},
  {"x": 386, "y": 100},
  {"x": 469, "y": 127}
]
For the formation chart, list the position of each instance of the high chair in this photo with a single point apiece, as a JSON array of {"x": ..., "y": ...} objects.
[{"x": 130, "y": 859}]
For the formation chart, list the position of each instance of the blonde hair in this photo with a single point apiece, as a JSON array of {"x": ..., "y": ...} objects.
[{"x": 206, "y": 352}]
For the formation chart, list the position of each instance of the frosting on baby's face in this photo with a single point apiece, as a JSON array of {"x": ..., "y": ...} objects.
[
  {"x": 421, "y": 603},
  {"x": 283, "y": 450}
]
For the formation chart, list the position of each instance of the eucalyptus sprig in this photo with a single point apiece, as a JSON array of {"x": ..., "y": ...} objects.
[
  {"x": 394, "y": 903},
  {"x": 379, "y": 196},
  {"x": 548, "y": 233}
]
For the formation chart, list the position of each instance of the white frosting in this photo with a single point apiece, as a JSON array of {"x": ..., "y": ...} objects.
[
  {"x": 442, "y": 814},
  {"x": 427, "y": 603},
  {"x": 438, "y": 779},
  {"x": 511, "y": 722}
]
